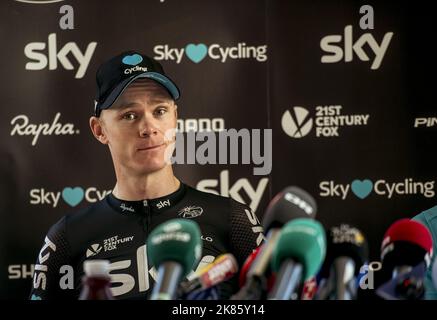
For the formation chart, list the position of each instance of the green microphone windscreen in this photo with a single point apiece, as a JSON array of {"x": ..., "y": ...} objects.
[
  {"x": 176, "y": 240},
  {"x": 304, "y": 241}
]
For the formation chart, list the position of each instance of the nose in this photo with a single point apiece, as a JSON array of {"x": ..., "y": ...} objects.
[{"x": 147, "y": 127}]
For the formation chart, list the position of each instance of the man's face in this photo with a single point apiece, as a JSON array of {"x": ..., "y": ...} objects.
[{"x": 135, "y": 127}]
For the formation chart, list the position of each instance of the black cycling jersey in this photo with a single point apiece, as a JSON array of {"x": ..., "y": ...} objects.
[{"x": 117, "y": 230}]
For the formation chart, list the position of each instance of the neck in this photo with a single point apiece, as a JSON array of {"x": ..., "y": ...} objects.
[{"x": 148, "y": 186}]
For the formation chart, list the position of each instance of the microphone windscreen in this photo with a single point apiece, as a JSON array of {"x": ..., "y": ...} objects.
[
  {"x": 406, "y": 242},
  {"x": 176, "y": 240},
  {"x": 290, "y": 203},
  {"x": 304, "y": 241},
  {"x": 345, "y": 241},
  {"x": 408, "y": 231}
]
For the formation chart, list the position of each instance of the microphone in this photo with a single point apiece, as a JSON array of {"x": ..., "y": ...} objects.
[
  {"x": 298, "y": 256},
  {"x": 406, "y": 244},
  {"x": 221, "y": 269},
  {"x": 246, "y": 266},
  {"x": 406, "y": 253},
  {"x": 205, "y": 294},
  {"x": 347, "y": 251},
  {"x": 289, "y": 204},
  {"x": 406, "y": 286},
  {"x": 174, "y": 248}
]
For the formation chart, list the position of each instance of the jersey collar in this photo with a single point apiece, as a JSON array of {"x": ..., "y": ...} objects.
[{"x": 154, "y": 205}]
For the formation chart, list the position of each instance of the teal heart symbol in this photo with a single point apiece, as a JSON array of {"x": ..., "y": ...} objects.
[
  {"x": 72, "y": 196},
  {"x": 132, "y": 60},
  {"x": 196, "y": 52},
  {"x": 362, "y": 188}
]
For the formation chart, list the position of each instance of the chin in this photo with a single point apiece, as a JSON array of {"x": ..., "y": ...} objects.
[{"x": 150, "y": 167}]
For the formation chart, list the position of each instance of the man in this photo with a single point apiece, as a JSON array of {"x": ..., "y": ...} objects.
[
  {"x": 429, "y": 219},
  {"x": 135, "y": 111}
]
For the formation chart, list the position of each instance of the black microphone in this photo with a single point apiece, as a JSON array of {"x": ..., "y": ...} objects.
[
  {"x": 347, "y": 251},
  {"x": 289, "y": 204},
  {"x": 406, "y": 254}
]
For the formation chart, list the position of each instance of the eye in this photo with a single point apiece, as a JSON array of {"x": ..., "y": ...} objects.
[
  {"x": 129, "y": 116},
  {"x": 160, "y": 111}
]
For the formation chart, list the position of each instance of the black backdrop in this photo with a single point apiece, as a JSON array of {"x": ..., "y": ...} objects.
[{"x": 389, "y": 142}]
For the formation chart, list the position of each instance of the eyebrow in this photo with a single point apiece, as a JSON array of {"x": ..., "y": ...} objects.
[{"x": 151, "y": 103}]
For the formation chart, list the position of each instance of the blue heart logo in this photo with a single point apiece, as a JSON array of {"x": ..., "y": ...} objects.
[
  {"x": 362, "y": 188},
  {"x": 196, "y": 53},
  {"x": 132, "y": 60},
  {"x": 73, "y": 196}
]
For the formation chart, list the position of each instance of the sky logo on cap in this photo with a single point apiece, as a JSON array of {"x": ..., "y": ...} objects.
[{"x": 132, "y": 60}]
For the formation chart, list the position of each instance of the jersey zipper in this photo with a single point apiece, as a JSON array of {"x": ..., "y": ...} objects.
[{"x": 147, "y": 214}]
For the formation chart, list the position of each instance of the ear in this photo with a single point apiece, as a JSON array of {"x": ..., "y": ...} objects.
[
  {"x": 176, "y": 111},
  {"x": 97, "y": 129}
]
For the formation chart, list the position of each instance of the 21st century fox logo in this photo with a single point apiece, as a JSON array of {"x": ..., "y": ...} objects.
[{"x": 329, "y": 120}]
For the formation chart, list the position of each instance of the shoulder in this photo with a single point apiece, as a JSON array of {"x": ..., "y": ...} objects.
[
  {"x": 232, "y": 206},
  {"x": 75, "y": 220},
  {"x": 207, "y": 196},
  {"x": 209, "y": 201},
  {"x": 429, "y": 219}
]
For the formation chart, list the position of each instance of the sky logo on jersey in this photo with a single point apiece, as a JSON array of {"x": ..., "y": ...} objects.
[{"x": 161, "y": 204}]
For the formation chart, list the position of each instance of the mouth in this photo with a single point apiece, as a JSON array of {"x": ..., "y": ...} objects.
[{"x": 150, "y": 148}]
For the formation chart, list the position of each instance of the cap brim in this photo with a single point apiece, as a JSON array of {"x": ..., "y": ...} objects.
[{"x": 161, "y": 79}]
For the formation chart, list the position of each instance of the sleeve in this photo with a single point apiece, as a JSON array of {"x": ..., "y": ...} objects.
[
  {"x": 429, "y": 219},
  {"x": 54, "y": 254},
  {"x": 246, "y": 234}
]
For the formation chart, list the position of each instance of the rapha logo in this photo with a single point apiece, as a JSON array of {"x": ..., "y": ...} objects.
[
  {"x": 124, "y": 208},
  {"x": 93, "y": 250},
  {"x": 22, "y": 127},
  {"x": 298, "y": 124},
  {"x": 190, "y": 212}
]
